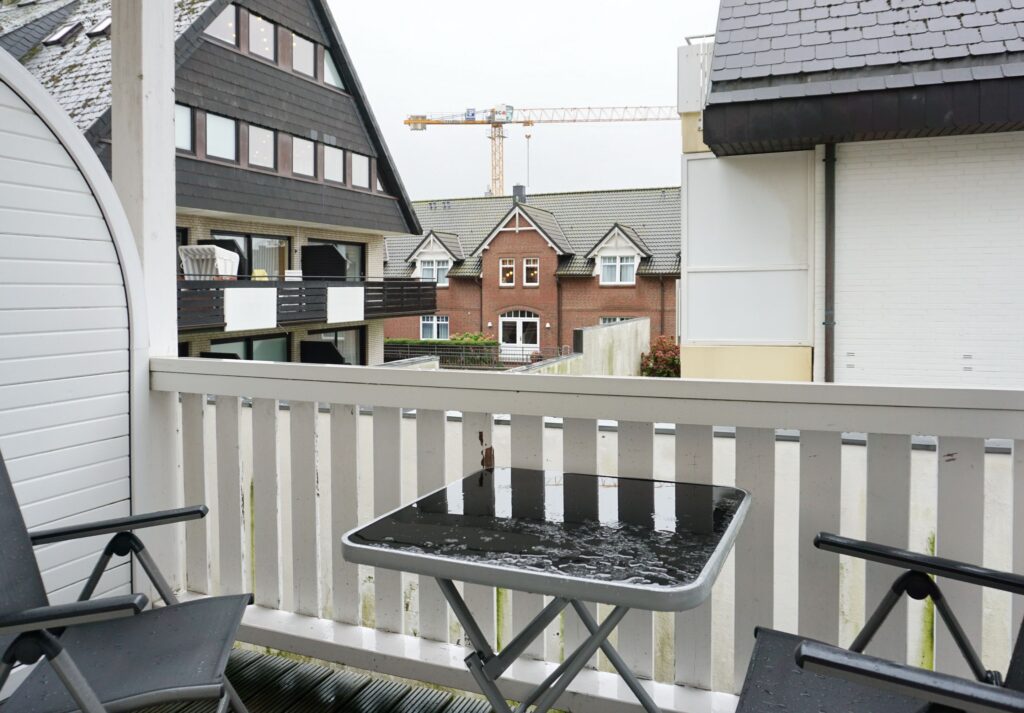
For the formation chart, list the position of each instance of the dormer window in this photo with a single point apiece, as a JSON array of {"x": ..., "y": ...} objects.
[
  {"x": 100, "y": 28},
  {"x": 435, "y": 271},
  {"x": 63, "y": 35},
  {"x": 618, "y": 269}
]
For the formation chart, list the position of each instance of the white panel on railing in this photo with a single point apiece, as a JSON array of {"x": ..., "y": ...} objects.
[
  {"x": 888, "y": 523},
  {"x": 1018, "y": 529},
  {"x": 305, "y": 547},
  {"x": 579, "y": 455},
  {"x": 693, "y": 640},
  {"x": 193, "y": 464},
  {"x": 229, "y": 497},
  {"x": 476, "y": 441},
  {"x": 820, "y": 479},
  {"x": 527, "y": 452},
  {"x": 387, "y": 482},
  {"x": 960, "y": 535},
  {"x": 344, "y": 509},
  {"x": 636, "y": 460},
  {"x": 430, "y": 476},
  {"x": 265, "y": 507},
  {"x": 755, "y": 546}
]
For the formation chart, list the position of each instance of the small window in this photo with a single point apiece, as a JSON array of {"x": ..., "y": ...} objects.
[
  {"x": 434, "y": 327},
  {"x": 183, "y": 128},
  {"x": 225, "y": 26},
  {"x": 221, "y": 137},
  {"x": 101, "y": 28},
  {"x": 262, "y": 38},
  {"x": 507, "y": 268},
  {"x": 531, "y": 271},
  {"x": 618, "y": 270},
  {"x": 435, "y": 271},
  {"x": 262, "y": 147},
  {"x": 64, "y": 34},
  {"x": 303, "y": 157},
  {"x": 331, "y": 75},
  {"x": 615, "y": 320},
  {"x": 303, "y": 56},
  {"x": 360, "y": 171},
  {"x": 334, "y": 164}
]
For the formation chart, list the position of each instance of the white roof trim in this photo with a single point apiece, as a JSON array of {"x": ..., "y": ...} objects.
[
  {"x": 428, "y": 239},
  {"x": 616, "y": 231},
  {"x": 500, "y": 227}
]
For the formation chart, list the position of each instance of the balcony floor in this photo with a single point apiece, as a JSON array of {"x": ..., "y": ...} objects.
[{"x": 273, "y": 684}]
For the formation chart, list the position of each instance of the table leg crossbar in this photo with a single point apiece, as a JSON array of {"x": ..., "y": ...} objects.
[{"x": 486, "y": 666}]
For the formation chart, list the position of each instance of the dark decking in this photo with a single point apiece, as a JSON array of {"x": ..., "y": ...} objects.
[{"x": 272, "y": 684}]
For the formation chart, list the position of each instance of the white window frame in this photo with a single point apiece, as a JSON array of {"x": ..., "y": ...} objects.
[
  {"x": 529, "y": 262},
  {"x": 503, "y": 263},
  {"x": 619, "y": 262},
  {"x": 430, "y": 271},
  {"x": 435, "y": 321}
]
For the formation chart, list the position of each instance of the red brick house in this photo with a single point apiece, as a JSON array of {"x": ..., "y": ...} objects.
[{"x": 530, "y": 270}]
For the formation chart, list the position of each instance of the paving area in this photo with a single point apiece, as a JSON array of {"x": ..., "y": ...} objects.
[{"x": 272, "y": 684}]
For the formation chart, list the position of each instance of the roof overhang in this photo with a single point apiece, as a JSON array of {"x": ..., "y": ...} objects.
[
  {"x": 617, "y": 230},
  {"x": 767, "y": 126},
  {"x": 500, "y": 228}
]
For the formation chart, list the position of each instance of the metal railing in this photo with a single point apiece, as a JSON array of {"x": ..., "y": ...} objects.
[
  {"x": 472, "y": 356},
  {"x": 301, "y": 299}
]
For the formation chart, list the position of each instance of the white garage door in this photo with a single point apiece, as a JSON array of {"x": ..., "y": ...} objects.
[
  {"x": 930, "y": 261},
  {"x": 64, "y": 358}
]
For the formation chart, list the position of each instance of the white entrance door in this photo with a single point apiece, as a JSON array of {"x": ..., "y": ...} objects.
[{"x": 520, "y": 335}]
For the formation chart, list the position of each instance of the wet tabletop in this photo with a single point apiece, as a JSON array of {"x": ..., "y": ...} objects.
[{"x": 647, "y": 533}]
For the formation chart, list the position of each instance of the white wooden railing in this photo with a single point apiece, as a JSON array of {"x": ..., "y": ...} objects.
[{"x": 284, "y": 485}]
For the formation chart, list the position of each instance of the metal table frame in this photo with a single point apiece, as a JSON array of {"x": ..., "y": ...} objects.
[{"x": 486, "y": 666}]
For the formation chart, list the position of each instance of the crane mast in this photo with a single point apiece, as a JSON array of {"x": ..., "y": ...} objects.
[{"x": 498, "y": 116}]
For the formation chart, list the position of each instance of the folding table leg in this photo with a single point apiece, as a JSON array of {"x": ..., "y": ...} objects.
[{"x": 616, "y": 661}]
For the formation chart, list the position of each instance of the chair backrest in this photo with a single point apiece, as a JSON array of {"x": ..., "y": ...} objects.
[
  {"x": 1015, "y": 671},
  {"x": 21, "y": 586}
]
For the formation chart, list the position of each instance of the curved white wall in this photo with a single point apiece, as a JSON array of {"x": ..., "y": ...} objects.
[{"x": 64, "y": 341}]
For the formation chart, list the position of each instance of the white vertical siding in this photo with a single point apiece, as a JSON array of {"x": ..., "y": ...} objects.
[
  {"x": 929, "y": 252},
  {"x": 64, "y": 348}
]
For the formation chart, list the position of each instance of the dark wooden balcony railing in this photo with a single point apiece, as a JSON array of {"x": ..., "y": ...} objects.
[{"x": 201, "y": 302}]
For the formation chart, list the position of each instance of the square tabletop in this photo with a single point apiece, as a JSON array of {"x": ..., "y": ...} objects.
[{"x": 646, "y": 544}]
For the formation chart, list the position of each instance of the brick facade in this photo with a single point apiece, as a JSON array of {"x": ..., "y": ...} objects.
[{"x": 566, "y": 303}]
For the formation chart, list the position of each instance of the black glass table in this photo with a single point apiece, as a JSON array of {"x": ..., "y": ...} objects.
[{"x": 629, "y": 543}]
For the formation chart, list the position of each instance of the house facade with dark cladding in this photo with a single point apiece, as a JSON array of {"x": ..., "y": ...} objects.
[
  {"x": 853, "y": 175},
  {"x": 277, "y": 151},
  {"x": 528, "y": 270}
]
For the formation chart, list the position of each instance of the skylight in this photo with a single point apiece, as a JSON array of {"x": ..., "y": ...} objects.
[
  {"x": 62, "y": 35},
  {"x": 100, "y": 28}
]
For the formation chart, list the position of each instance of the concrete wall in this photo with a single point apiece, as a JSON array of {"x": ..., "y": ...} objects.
[{"x": 608, "y": 350}]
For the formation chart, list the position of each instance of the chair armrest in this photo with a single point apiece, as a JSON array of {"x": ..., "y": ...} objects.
[
  {"x": 939, "y": 688},
  {"x": 121, "y": 524},
  {"x": 61, "y": 615},
  {"x": 951, "y": 569}
]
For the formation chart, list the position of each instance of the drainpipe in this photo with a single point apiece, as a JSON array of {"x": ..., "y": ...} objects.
[
  {"x": 558, "y": 313},
  {"x": 661, "y": 291},
  {"x": 830, "y": 262},
  {"x": 480, "y": 281}
]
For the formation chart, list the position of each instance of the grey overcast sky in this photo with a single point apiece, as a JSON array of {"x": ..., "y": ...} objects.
[{"x": 445, "y": 56}]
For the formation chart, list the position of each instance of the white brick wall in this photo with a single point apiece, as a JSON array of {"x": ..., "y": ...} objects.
[{"x": 930, "y": 261}]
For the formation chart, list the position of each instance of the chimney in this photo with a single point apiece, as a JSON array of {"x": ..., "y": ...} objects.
[{"x": 519, "y": 193}]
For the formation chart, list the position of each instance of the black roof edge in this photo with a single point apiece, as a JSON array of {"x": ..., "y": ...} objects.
[
  {"x": 355, "y": 88},
  {"x": 426, "y": 237}
]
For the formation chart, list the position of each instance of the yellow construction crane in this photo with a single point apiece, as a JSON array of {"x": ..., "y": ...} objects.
[{"x": 501, "y": 115}]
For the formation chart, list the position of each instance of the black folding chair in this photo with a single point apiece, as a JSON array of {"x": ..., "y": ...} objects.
[
  {"x": 788, "y": 673},
  {"x": 107, "y": 655}
]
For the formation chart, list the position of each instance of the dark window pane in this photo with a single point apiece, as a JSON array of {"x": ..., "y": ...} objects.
[
  {"x": 273, "y": 349},
  {"x": 509, "y": 333},
  {"x": 530, "y": 333},
  {"x": 237, "y": 348}
]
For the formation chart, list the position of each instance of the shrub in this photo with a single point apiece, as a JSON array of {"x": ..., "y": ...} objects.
[
  {"x": 473, "y": 340},
  {"x": 662, "y": 360}
]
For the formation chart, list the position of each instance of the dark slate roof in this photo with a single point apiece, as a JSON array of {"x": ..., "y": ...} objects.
[
  {"x": 22, "y": 28},
  {"x": 777, "y": 49},
  {"x": 451, "y": 243},
  {"x": 548, "y": 224},
  {"x": 584, "y": 218},
  {"x": 77, "y": 74}
]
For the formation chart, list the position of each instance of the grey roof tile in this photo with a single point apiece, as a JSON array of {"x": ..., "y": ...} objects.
[
  {"x": 964, "y": 36},
  {"x": 925, "y": 12},
  {"x": 1015, "y": 69},
  {"x": 875, "y": 32},
  {"x": 995, "y": 33},
  {"x": 652, "y": 215},
  {"x": 944, "y": 23},
  {"x": 849, "y": 62},
  {"x": 814, "y": 13},
  {"x": 979, "y": 19},
  {"x": 785, "y": 42},
  {"x": 951, "y": 51},
  {"x": 987, "y": 48},
  {"x": 991, "y": 5}
]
